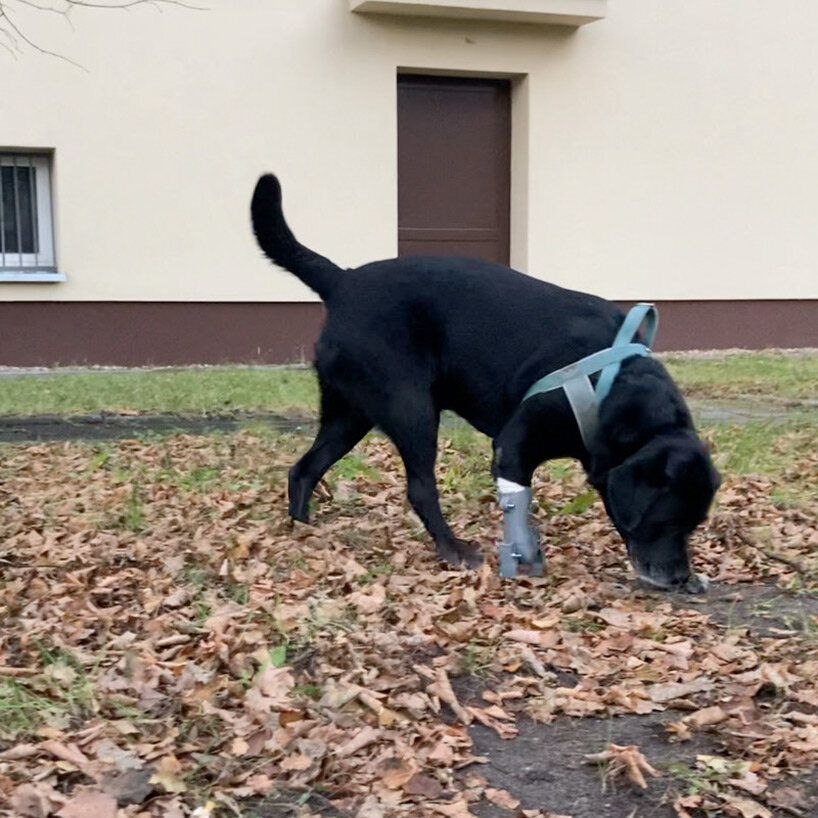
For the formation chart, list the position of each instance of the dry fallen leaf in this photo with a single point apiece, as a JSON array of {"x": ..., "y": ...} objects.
[
  {"x": 35, "y": 800},
  {"x": 442, "y": 688},
  {"x": 627, "y": 760},
  {"x": 167, "y": 775},
  {"x": 678, "y": 690},
  {"x": 502, "y": 798},
  {"x": 396, "y": 772},
  {"x": 89, "y": 805},
  {"x": 746, "y": 808},
  {"x": 459, "y": 808},
  {"x": 211, "y": 641},
  {"x": 424, "y": 785},
  {"x": 371, "y": 808}
]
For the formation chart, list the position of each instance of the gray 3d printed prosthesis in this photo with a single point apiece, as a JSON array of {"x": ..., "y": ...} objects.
[{"x": 521, "y": 543}]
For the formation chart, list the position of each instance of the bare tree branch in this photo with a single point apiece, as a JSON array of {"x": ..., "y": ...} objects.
[
  {"x": 15, "y": 35},
  {"x": 13, "y": 38}
]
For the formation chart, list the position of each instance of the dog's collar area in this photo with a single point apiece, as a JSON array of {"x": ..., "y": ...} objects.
[{"x": 575, "y": 378}]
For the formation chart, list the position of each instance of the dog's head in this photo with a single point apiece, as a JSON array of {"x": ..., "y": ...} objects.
[{"x": 656, "y": 498}]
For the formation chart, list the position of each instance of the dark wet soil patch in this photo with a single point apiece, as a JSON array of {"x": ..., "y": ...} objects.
[
  {"x": 545, "y": 766},
  {"x": 111, "y": 426},
  {"x": 766, "y": 610}
]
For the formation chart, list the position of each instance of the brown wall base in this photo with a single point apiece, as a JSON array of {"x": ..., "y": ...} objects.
[
  {"x": 786, "y": 324},
  {"x": 143, "y": 333},
  {"x": 162, "y": 334}
]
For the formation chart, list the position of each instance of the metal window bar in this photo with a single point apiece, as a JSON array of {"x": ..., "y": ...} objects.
[
  {"x": 32, "y": 200},
  {"x": 16, "y": 188},
  {"x": 2, "y": 220}
]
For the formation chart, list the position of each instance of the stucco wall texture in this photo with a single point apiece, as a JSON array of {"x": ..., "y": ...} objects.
[{"x": 665, "y": 152}]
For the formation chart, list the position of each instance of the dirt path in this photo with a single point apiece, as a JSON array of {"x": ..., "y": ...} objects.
[
  {"x": 112, "y": 426},
  {"x": 546, "y": 764}
]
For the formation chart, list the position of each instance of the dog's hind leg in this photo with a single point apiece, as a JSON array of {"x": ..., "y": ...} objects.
[
  {"x": 342, "y": 427},
  {"x": 415, "y": 435}
]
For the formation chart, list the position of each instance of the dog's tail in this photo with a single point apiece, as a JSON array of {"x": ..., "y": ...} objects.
[{"x": 280, "y": 245}]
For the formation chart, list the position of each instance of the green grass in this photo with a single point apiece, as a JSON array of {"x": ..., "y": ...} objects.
[
  {"x": 228, "y": 389},
  {"x": 763, "y": 447},
  {"x": 772, "y": 449},
  {"x": 351, "y": 465},
  {"x": 756, "y": 446},
  {"x": 22, "y": 709},
  {"x": 789, "y": 376},
  {"x": 60, "y": 693},
  {"x": 189, "y": 391},
  {"x": 477, "y": 657},
  {"x": 465, "y": 460}
]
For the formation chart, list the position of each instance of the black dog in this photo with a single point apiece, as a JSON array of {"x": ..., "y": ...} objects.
[{"x": 406, "y": 338}]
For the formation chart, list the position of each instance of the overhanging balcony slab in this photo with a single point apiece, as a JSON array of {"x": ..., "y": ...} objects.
[{"x": 544, "y": 12}]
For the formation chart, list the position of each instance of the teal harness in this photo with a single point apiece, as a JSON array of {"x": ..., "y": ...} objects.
[{"x": 575, "y": 380}]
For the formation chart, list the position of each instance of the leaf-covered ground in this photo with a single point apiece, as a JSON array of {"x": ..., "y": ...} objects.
[{"x": 172, "y": 645}]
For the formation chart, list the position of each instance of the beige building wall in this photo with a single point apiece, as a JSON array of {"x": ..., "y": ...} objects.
[{"x": 665, "y": 152}]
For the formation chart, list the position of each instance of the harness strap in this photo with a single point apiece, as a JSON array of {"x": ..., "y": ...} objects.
[
  {"x": 586, "y": 366},
  {"x": 581, "y": 396},
  {"x": 575, "y": 380},
  {"x": 630, "y": 326}
]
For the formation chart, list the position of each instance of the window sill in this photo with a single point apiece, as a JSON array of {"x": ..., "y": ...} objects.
[
  {"x": 34, "y": 277},
  {"x": 549, "y": 12}
]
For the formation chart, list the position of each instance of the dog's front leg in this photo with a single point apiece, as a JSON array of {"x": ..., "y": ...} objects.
[
  {"x": 521, "y": 542},
  {"x": 513, "y": 467}
]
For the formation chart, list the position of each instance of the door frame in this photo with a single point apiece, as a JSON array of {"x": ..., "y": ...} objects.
[{"x": 519, "y": 170}]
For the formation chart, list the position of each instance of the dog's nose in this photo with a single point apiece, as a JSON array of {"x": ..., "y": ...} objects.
[{"x": 664, "y": 575}]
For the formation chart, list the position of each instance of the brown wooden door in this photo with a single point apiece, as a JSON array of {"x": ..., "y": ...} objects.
[{"x": 454, "y": 177}]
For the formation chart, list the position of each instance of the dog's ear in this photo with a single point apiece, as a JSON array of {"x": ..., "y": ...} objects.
[
  {"x": 633, "y": 488},
  {"x": 692, "y": 470},
  {"x": 679, "y": 466}
]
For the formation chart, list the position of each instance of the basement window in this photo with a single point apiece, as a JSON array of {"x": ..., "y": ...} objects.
[{"x": 26, "y": 223}]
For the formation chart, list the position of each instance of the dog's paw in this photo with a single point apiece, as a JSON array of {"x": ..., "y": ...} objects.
[
  {"x": 697, "y": 584},
  {"x": 460, "y": 552},
  {"x": 470, "y": 554}
]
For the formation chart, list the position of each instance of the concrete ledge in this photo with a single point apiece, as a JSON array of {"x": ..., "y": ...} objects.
[
  {"x": 31, "y": 277},
  {"x": 548, "y": 12}
]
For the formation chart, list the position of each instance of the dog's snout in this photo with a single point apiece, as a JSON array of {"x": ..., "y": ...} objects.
[{"x": 667, "y": 575}]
